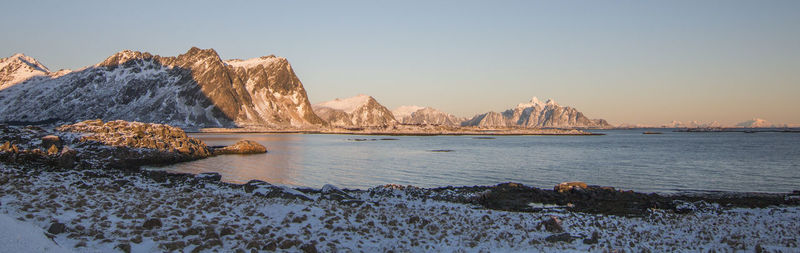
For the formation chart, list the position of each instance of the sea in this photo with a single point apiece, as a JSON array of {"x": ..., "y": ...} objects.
[{"x": 625, "y": 159}]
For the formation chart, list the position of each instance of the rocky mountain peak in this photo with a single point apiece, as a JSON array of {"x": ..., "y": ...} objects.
[
  {"x": 536, "y": 102},
  {"x": 19, "y": 68},
  {"x": 124, "y": 56},
  {"x": 194, "y": 89},
  {"x": 359, "y": 111},
  {"x": 536, "y": 114}
]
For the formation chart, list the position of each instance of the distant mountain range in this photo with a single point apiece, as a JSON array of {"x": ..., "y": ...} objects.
[
  {"x": 198, "y": 89},
  {"x": 536, "y": 114},
  {"x": 195, "y": 89},
  {"x": 418, "y": 115}
]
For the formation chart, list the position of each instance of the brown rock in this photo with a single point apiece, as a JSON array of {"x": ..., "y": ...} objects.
[
  {"x": 243, "y": 147},
  {"x": 53, "y": 150},
  {"x": 566, "y": 186}
]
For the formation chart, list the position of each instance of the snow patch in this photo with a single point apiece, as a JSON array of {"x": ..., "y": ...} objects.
[
  {"x": 348, "y": 105},
  {"x": 405, "y": 111}
]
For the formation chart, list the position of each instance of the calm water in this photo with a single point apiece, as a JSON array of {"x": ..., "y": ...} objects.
[{"x": 626, "y": 159}]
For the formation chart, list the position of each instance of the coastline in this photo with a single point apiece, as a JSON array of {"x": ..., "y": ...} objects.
[{"x": 404, "y": 130}]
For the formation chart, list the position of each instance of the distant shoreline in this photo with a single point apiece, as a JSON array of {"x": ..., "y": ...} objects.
[{"x": 482, "y": 132}]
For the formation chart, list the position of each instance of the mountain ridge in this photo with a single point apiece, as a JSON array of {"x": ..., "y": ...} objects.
[{"x": 194, "y": 89}]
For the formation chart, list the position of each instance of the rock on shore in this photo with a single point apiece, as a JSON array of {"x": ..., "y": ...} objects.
[
  {"x": 114, "y": 144},
  {"x": 242, "y": 147}
]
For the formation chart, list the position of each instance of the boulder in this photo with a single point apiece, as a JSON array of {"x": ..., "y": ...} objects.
[
  {"x": 50, "y": 140},
  {"x": 57, "y": 228},
  {"x": 152, "y": 223},
  {"x": 209, "y": 176},
  {"x": 264, "y": 189},
  {"x": 563, "y": 237},
  {"x": 242, "y": 147},
  {"x": 552, "y": 224},
  {"x": 334, "y": 193},
  {"x": 567, "y": 186},
  {"x": 594, "y": 239}
]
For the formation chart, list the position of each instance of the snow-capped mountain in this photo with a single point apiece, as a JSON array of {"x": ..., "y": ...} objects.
[
  {"x": 692, "y": 124},
  {"x": 417, "y": 115},
  {"x": 405, "y": 111},
  {"x": 536, "y": 114},
  {"x": 195, "y": 89},
  {"x": 19, "y": 68},
  {"x": 755, "y": 123},
  {"x": 358, "y": 111}
]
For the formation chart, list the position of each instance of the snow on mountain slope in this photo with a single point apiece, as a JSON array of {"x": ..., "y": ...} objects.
[
  {"x": 536, "y": 114},
  {"x": 425, "y": 116},
  {"x": 755, "y": 123},
  {"x": 358, "y": 111},
  {"x": 405, "y": 111},
  {"x": 348, "y": 105},
  {"x": 19, "y": 68},
  {"x": 195, "y": 89}
]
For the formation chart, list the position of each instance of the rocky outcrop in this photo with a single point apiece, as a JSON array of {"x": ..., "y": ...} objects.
[
  {"x": 160, "y": 137},
  {"x": 537, "y": 114},
  {"x": 426, "y": 116},
  {"x": 195, "y": 89},
  {"x": 355, "y": 112},
  {"x": 94, "y": 144},
  {"x": 242, "y": 147}
]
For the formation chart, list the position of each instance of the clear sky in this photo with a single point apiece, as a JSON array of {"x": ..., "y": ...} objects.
[{"x": 645, "y": 62}]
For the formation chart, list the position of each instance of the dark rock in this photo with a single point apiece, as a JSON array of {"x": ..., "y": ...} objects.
[
  {"x": 334, "y": 193},
  {"x": 51, "y": 140},
  {"x": 552, "y": 224},
  {"x": 264, "y": 189},
  {"x": 594, "y": 239},
  {"x": 152, "y": 223},
  {"x": 124, "y": 247},
  {"x": 57, "y": 228},
  {"x": 209, "y": 176},
  {"x": 308, "y": 248},
  {"x": 254, "y": 184},
  {"x": 563, "y": 237},
  {"x": 226, "y": 231}
]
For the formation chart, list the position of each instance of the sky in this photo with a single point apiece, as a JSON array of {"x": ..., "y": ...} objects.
[{"x": 645, "y": 62}]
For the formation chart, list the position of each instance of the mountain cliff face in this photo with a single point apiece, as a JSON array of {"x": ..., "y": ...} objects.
[
  {"x": 195, "y": 89},
  {"x": 415, "y": 115},
  {"x": 536, "y": 114},
  {"x": 358, "y": 111}
]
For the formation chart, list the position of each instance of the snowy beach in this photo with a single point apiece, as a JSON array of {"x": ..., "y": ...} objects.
[{"x": 102, "y": 211}]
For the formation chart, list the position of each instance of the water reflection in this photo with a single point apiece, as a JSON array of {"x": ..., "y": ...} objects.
[
  {"x": 280, "y": 165},
  {"x": 624, "y": 159}
]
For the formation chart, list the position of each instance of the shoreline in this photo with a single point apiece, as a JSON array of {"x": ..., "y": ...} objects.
[
  {"x": 458, "y": 132},
  {"x": 140, "y": 211}
]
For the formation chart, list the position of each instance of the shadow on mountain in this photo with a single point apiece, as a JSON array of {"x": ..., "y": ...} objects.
[{"x": 130, "y": 86}]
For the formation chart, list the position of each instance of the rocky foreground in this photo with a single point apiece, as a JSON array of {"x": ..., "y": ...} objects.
[{"x": 73, "y": 184}]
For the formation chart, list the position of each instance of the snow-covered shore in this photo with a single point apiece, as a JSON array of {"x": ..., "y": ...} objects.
[{"x": 106, "y": 211}]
